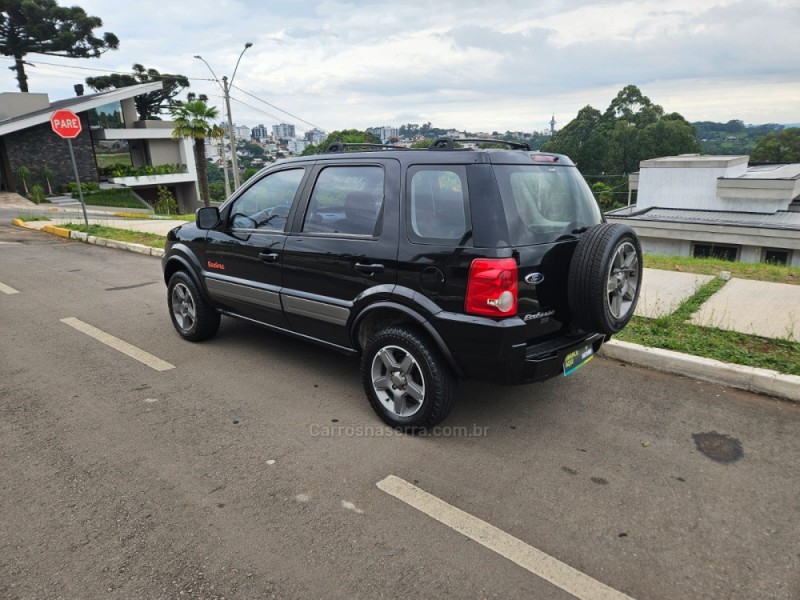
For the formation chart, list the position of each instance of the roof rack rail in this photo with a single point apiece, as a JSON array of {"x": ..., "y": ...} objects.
[
  {"x": 448, "y": 143},
  {"x": 341, "y": 147}
]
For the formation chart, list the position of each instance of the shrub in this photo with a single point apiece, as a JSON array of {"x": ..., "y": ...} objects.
[
  {"x": 88, "y": 187},
  {"x": 122, "y": 170},
  {"x": 37, "y": 194},
  {"x": 166, "y": 204}
]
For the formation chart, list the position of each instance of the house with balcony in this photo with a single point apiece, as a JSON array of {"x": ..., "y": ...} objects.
[
  {"x": 720, "y": 206},
  {"x": 114, "y": 148}
]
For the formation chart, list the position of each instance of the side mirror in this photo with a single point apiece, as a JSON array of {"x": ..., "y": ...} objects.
[{"x": 207, "y": 217}]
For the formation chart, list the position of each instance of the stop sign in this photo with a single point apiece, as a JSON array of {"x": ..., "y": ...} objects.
[{"x": 66, "y": 123}]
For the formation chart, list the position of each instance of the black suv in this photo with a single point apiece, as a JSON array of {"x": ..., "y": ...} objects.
[{"x": 433, "y": 265}]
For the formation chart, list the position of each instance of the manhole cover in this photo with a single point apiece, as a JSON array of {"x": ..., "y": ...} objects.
[{"x": 718, "y": 446}]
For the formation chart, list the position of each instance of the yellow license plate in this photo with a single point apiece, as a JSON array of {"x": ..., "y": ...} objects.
[{"x": 577, "y": 358}]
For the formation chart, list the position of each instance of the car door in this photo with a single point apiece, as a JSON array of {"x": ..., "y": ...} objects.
[
  {"x": 343, "y": 246},
  {"x": 244, "y": 254}
]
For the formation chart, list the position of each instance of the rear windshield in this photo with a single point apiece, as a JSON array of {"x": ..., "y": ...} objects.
[{"x": 544, "y": 203}]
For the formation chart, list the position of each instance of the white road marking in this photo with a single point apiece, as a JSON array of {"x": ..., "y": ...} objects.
[
  {"x": 537, "y": 562},
  {"x": 128, "y": 349},
  {"x": 7, "y": 289}
]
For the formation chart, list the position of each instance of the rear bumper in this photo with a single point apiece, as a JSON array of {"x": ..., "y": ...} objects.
[{"x": 497, "y": 351}]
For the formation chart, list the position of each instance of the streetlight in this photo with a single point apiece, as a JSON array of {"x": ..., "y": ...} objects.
[{"x": 226, "y": 87}]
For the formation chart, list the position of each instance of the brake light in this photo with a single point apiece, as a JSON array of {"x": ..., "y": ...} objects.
[{"x": 492, "y": 287}]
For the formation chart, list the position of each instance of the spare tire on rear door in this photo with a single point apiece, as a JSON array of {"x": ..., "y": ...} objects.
[{"x": 604, "y": 278}]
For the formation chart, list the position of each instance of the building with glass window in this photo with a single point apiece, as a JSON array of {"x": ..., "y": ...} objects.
[
  {"x": 114, "y": 148},
  {"x": 718, "y": 206}
]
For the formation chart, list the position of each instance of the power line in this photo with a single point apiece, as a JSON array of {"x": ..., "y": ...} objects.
[
  {"x": 41, "y": 62},
  {"x": 250, "y": 106},
  {"x": 279, "y": 108}
]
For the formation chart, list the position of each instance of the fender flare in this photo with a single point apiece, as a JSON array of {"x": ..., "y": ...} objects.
[
  {"x": 417, "y": 318},
  {"x": 189, "y": 266}
]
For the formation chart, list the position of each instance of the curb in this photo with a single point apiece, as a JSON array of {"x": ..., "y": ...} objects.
[
  {"x": 91, "y": 239},
  {"x": 751, "y": 379},
  {"x": 129, "y": 246},
  {"x": 59, "y": 231}
]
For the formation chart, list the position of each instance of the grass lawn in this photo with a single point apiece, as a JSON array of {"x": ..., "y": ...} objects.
[
  {"x": 122, "y": 235},
  {"x": 713, "y": 266},
  {"x": 672, "y": 332},
  {"x": 34, "y": 218},
  {"x": 118, "y": 198}
]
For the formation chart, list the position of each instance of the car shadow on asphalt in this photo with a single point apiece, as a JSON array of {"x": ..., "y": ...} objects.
[{"x": 478, "y": 404}]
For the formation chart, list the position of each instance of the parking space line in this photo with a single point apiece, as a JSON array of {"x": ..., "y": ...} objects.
[
  {"x": 128, "y": 349},
  {"x": 537, "y": 562},
  {"x": 7, "y": 289}
]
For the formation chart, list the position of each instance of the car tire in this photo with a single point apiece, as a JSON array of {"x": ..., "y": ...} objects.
[
  {"x": 407, "y": 381},
  {"x": 192, "y": 316},
  {"x": 605, "y": 278}
]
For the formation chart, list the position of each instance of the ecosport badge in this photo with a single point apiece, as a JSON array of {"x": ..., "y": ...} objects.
[{"x": 538, "y": 315}]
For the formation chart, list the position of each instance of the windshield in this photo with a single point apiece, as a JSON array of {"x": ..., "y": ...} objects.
[{"x": 544, "y": 203}]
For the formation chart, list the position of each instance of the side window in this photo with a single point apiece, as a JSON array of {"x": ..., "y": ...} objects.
[
  {"x": 346, "y": 200},
  {"x": 266, "y": 204},
  {"x": 436, "y": 204}
]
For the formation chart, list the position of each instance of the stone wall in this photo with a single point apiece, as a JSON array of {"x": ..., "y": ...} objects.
[{"x": 38, "y": 146}]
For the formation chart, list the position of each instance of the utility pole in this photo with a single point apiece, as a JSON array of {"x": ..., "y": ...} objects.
[
  {"x": 231, "y": 133},
  {"x": 226, "y": 90},
  {"x": 225, "y": 167}
]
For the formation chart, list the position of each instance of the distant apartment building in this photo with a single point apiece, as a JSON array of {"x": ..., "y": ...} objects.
[
  {"x": 315, "y": 136},
  {"x": 385, "y": 133},
  {"x": 296, "y": 146},
  {"x": 260, "y": 133},
  {"x": 242, "y": 132},
  {"x": 283, "y": 131}
]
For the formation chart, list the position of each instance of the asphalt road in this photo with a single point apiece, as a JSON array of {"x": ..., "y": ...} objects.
[{"x": 250, "y": 469}]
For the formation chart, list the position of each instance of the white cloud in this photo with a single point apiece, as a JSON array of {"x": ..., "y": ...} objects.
[{"x": 469, "y": 64}]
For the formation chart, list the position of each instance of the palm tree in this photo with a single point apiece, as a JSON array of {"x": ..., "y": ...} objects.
[
  {"x": 23, "y": 173},
  {"x": 192, "y": 122},
  {"x": 48, "y": 174}
]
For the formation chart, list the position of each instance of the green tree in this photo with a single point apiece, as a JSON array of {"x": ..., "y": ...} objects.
[
  {"x": 254, "y": 149},
  {"x": 778, "y": 147},
  {"x": 604, "y": 194},
  {"x": 347, "y": 136},
  {"x": 24, "y": 173},
  {"x": 47, "y": 174},
  {"x": 571, "y": 138},
  {"x": 192, "y": 121},
  {"x": 217, "y": 191},
  {"x": 631, "y": 129},
  {"x": 151, "y": 104},
  {"x": 44, "y": 27}
]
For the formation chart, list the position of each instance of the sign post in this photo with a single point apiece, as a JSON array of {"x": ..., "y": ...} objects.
[{"x": 66, "y": 124}]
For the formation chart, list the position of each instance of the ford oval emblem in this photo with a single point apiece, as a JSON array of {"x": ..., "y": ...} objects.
[{"x": 534, "y": 278}]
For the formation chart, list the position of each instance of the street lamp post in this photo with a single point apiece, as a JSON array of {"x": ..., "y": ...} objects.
[{"x": 226, "y": 88}]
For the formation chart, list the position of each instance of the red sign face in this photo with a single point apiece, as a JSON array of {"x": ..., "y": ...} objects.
[{"x": 66, "y": 123}]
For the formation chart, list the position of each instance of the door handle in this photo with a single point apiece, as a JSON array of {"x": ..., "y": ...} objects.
[
  {"x": 269, "y": 257},
  {"x": 369, "y": 269}
]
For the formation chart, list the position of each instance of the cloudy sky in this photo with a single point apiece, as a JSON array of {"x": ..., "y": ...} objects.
[{"x": 480, "y": 65}]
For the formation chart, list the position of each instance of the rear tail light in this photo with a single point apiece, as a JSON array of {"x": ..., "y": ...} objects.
[{"x": 492, "y": 287}]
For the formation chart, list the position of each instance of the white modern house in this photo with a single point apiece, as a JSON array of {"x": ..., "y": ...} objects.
[
  {"x": 112, "y": 146},
  {"x": 694, "y": 205}
]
